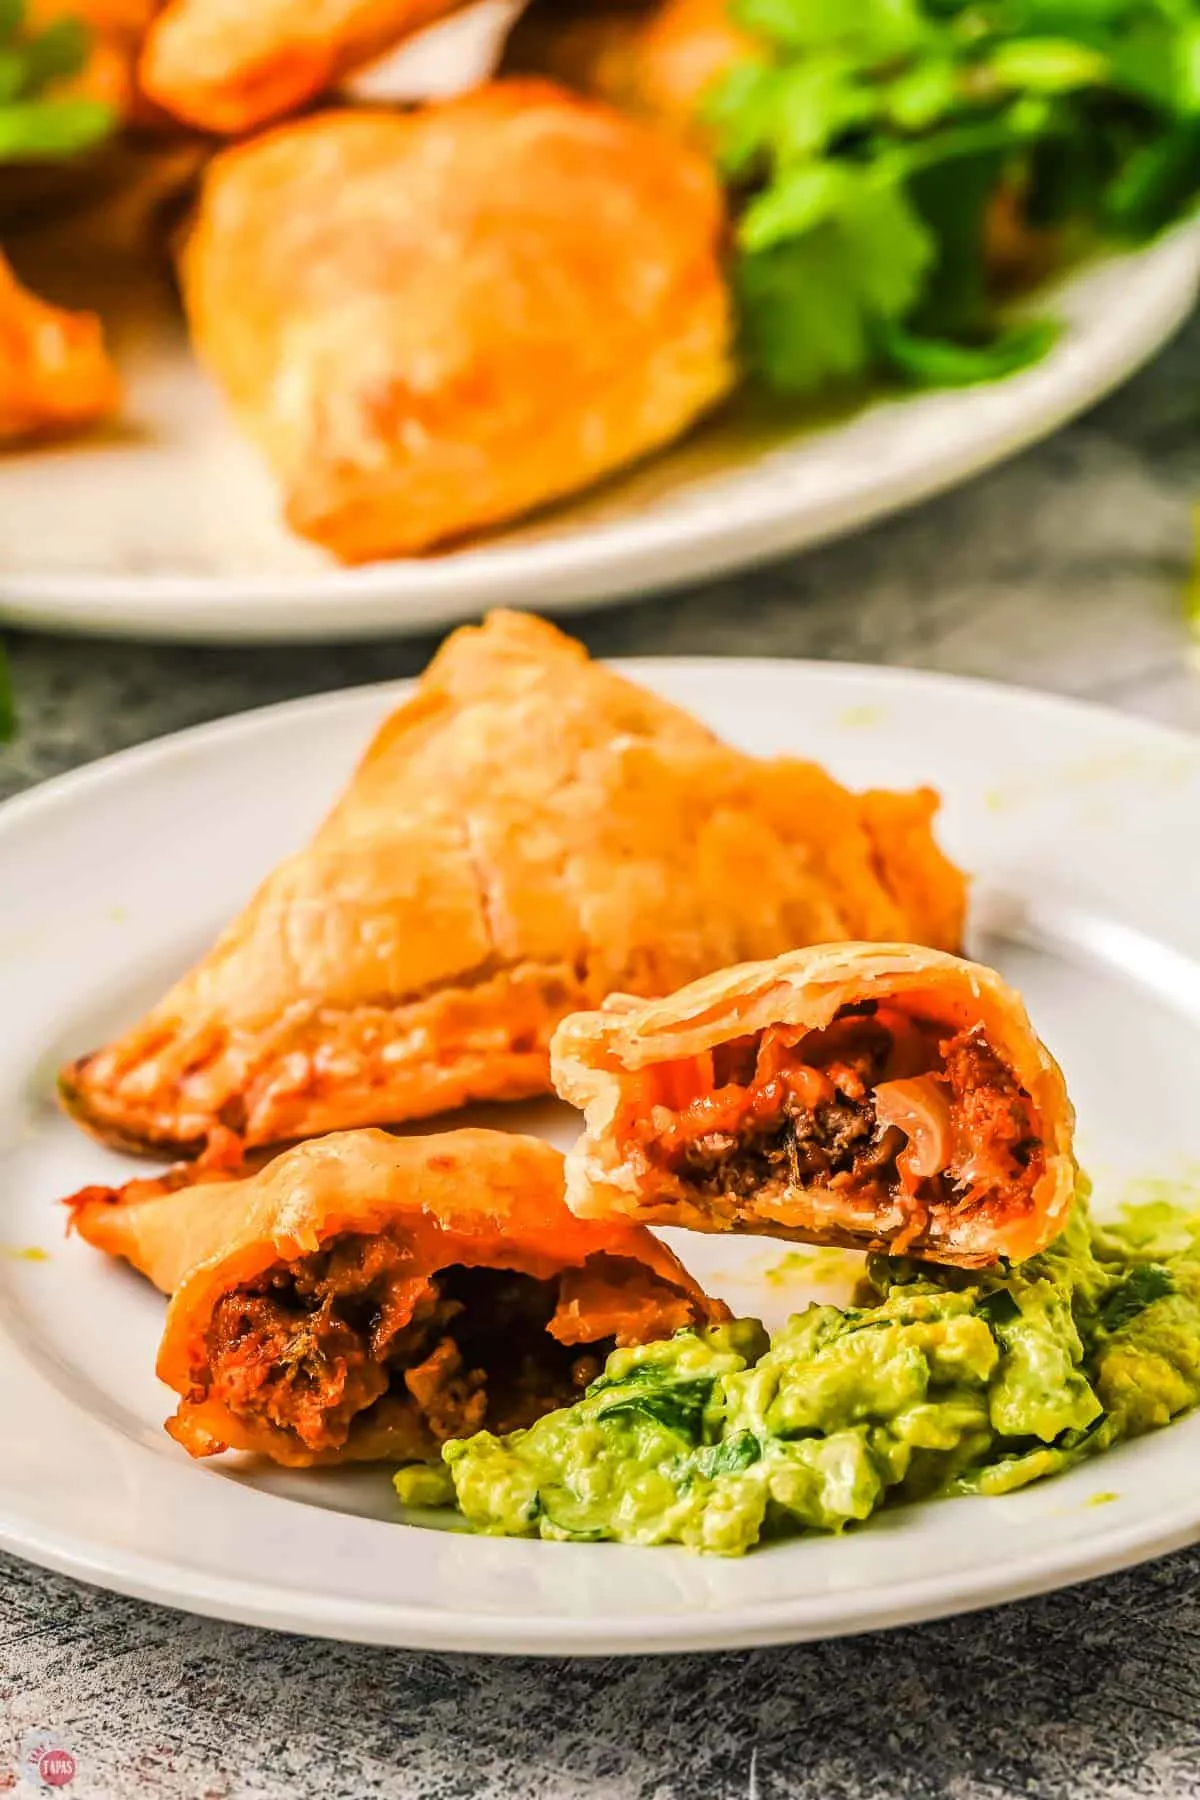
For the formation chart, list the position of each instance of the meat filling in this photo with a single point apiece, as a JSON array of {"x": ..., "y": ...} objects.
[
  {"x": 880, "y": 1107},
  {"x": 313, "y": 1346}
]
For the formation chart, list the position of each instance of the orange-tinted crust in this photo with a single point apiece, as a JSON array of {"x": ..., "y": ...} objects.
[
  {"x": 55, "y": 375},
  {"x": 600, "y": 1058},
  {"x": 434, "y": 322},
  {"x": 476, "y": 1198},
  {"x": 658, "y": 63},
  {"x": 527, "y": 834},
  {"x": 230, "y": 66},
  {"x": 116, "y": 29}
]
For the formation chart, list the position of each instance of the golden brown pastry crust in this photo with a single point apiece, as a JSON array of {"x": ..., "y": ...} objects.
[
  {"x": 597, "y": 1059},
  {"x": 55, "y": 375},
  {"x": 659, "y": 63},
  {"x": 230, "y": 66},
  {"x": 526, "y": 834},
  {"x": 437, "y": 321},
  {"x": 474, "y": 1198}
]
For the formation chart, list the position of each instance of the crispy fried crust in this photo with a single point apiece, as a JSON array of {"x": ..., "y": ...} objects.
[
  {"x": 55, "y": 374},
  {"x": 477, "y": 1198},
  {"x": 436, "y": 321},
  {"x": 526, "y": 834},
  {"x": 229, "y": 67},
  {"x": 599, "y": 1056},
  {"x": 659, "y": 64}
]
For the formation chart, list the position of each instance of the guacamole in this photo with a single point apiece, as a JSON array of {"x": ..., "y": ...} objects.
[{"x": 937, "y": 1381}]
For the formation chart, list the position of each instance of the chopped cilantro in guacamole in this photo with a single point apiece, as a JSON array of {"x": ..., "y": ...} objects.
[{"x": 939, "y": 1381}]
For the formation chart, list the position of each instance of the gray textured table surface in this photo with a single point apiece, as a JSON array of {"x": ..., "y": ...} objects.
[{"x": 1064, "y": 570}]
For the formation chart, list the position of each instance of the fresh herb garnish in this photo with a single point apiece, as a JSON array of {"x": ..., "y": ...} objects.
[
  {"x": 729, "y": 1457},
  {"x": 999, "y": 1309},
  {"x": 35, "y": 122},
  {"x": 1145, "y": 1283},
  {"x": 679, "y": 1406},
  {"x": 896, "y": 158}
]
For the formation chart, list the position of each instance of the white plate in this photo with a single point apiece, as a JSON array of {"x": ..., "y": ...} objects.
[
  {"x": 1082, "y": 826},
  {"x": 174, "y": 532}
]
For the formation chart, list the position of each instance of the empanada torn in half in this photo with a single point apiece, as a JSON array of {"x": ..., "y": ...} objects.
[
  {"x": 877, "y": 1096},
  {"x": 367, "y": 1296},
  {"x": 527, "y": 834}
]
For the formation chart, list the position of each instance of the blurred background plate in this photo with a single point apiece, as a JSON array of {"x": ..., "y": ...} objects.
[{"x": 174, "y": 530}]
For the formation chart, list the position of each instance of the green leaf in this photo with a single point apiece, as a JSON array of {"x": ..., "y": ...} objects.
[
  {"x": 794, "y": 205},
  {"x": 941, "y": 362},
  {"x": 741, "y": 109},
  {"x": 37, "y": 129},
  {"x": 877, "y": 29},
  {"x": 811, "y": 303},
  {"x": 1157, "y": 184},
  {"x": 954, "y": 199},
  {"x": 11, "y": 14},
  {"x": 678, "y": 1407},
  {"x": 729, "y": 1457},
  {"x": 923, "y": 95},
  {"x": 14, "y": 72},
  {"x": 1143, "y": 1285},
  {"x": 999, "y": 1309},
  {"x": 1046, "y": 66},
  {"x": 58, "y": 51}
]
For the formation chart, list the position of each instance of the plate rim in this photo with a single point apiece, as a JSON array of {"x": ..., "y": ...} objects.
[
  {"x": 635, "y": 668},
  {"x": 274, "y": 1607},
  {"x": 791, "y": 1618},
  {"x": 617, "y": 559}
]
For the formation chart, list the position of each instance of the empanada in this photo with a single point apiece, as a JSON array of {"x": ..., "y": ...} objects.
[
  {"x": 368, "y": 1296},
  {"x": 527, "y": 834},
  {"x": 874, "y": 1095},
  {"x": 659, "y": 63},
  {"x": 435, "y": 322},
  {"x": 232, "y": 65},
  {"x": 55, "y": 374}
]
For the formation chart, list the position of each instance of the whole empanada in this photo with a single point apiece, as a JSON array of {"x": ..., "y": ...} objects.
[
  {"x": 435, "y": 322},
  {"x": 527, "y": 834},
  {"x": 233, "y": 65}
]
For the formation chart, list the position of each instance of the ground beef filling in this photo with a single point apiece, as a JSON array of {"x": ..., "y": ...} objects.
[
  {"x": 773, "y": 1135},
  {"x": 804, "y": 1147},
  {"x": 313, "y": 1346}
]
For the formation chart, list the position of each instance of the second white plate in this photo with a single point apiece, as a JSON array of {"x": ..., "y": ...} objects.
[{"x": 174, "y": 530}]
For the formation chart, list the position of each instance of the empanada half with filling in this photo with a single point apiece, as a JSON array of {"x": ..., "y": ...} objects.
[
  {"x": 879, "y": 1096},
  {"x": 367, "y": 1296}
]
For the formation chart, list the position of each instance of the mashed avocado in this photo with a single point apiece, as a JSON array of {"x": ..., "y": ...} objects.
[{"x": 939, "y": 1381}]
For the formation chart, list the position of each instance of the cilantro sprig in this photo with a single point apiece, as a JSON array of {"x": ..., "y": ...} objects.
[
  {"x": 873, "y": 145},
  {"x": 36, "y": 122}
]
